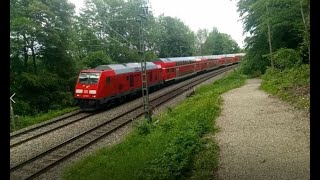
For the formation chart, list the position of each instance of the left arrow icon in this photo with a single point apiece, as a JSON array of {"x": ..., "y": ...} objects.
[{"x": 12, "y": 97}]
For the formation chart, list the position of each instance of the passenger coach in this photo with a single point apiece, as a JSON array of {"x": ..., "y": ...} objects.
[{"x": 108, "y": 83}]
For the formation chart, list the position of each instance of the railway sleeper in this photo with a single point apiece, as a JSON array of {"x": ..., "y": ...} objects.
[
  {"x": 55, "y": 156},
  {"x": 27, "y": 170},
  {"x": 97, "y": 133},
  {"x": 100, "y": 131}
]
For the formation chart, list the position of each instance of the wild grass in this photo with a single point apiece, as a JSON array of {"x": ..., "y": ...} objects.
[
  {"x": 25, "y": 121},
  {"x": 171, "y": 147}
]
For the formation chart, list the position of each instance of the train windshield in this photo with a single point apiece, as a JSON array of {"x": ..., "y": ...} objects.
[{"x": 89, "y": 78}]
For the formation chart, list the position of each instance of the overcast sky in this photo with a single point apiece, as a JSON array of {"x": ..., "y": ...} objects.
[{"x": 199, "y": 14}]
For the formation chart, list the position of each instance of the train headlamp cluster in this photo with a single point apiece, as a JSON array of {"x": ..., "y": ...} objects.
[{"x": 80, "y": 91}]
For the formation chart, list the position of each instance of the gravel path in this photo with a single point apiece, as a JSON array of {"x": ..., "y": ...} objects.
[{"x": 261, "y": 137}]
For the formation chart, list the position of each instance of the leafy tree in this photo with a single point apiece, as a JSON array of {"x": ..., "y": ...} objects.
[
  {"x": 219, "y": 43},
  {"x": 111, "y": 25},
  {"x": 97, "y": 58},
  {"x": 42, "y": 60},
  {"x": 201, "y": 36},
  {"x": 286, "y": 24},
  {"x": 177, "y": 38}
]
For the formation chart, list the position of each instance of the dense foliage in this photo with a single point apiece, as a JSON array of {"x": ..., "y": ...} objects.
[
  {"x": 279, "y": 46},
  {"x": 50, "y": 44},
  {"x": 42, "y": 62},
  {"x": 289, "y": 24}
]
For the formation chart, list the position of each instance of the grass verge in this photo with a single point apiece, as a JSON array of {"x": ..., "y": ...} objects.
[
  {"x": 291, "y": 85},
  {"x": 171, "y": 147},
  {"x": 25, "y": 121}
]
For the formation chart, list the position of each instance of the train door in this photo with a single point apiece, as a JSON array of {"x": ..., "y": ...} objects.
[
  {"x": 131, "y": 80},
  {"x": 108, "y": 86}
]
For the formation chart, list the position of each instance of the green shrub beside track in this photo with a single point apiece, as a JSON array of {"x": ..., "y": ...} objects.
[
  {"x": 25, "y": 121},
  {"x": 171, "y": 147}
]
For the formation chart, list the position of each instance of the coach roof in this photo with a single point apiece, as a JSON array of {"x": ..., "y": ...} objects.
[
  {"x": 126, "y": 68},
  {"x": 179, "y": 59}
]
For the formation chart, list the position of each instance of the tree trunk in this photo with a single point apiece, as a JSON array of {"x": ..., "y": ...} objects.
[
  {"x": 270, "y": 46},
  {"x": 33, "y": 58},
  {"x": 25, "y": 53},
  {"x": 269, "y": 38},
  {"x": 305, "y": 28}
]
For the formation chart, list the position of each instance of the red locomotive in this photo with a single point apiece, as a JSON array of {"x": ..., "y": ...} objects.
[{"x": 108, "y": 83}]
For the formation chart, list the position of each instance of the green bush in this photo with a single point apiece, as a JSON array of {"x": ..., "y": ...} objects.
[
  {"x": 286, "y": 58},
  {"x": 174, "y": 160},
  {"x": 256, "y": 73},
  {"x": 253, "y": 65},
  {"x": 144, "y": 128},
  {"x": 40, "y": 93},
  {"x": 21, "y": 107},
  {"x": 292, "y": 85}
]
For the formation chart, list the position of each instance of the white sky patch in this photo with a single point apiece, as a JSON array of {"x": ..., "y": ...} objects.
[{"x": 199, "y": 14}]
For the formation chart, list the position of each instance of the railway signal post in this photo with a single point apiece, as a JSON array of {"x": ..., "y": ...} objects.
[{"x": 145, "y": 93}]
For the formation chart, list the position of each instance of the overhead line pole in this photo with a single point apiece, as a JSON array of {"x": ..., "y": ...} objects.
[{"x": 144, "y": 77}]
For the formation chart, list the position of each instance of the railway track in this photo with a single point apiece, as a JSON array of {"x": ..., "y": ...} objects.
[{"x": 40, "y": 163}]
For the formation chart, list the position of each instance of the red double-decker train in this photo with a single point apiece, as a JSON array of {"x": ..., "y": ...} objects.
[{"x": 109, "y": 83}]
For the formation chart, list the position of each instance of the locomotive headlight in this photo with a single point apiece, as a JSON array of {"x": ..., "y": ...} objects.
[
  {"x": 79, "y": 91},
  {"x": 92, "y": 92}
]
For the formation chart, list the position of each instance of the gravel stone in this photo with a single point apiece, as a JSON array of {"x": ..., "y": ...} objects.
[{"x": 261, "y": 137}]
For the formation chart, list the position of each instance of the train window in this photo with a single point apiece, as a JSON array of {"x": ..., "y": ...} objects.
[
  {"x": 167, "y": 70},
  {"x": 108, "y": 80},
  {"x": 172, "y": 70},
  {"x": 89, "y": 78}
]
